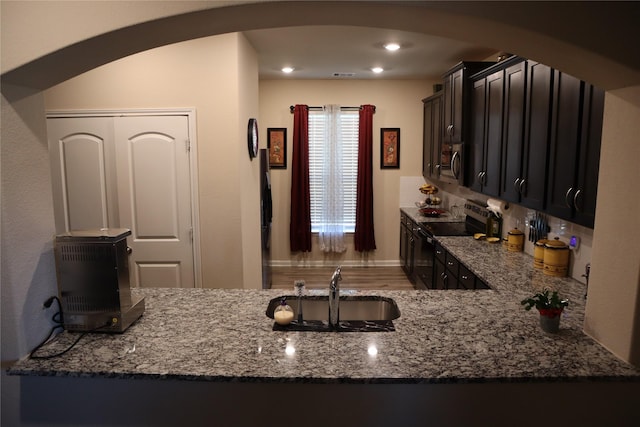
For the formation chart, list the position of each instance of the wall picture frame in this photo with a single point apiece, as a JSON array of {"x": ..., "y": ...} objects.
[
  {"x": 277, "y": 147},
  {"x": 389, "y": 148}
]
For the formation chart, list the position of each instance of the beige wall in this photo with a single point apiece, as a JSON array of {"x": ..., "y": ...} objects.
[
  {"x": 614, "y": 291},
  {"x": 218, "y": 77},
  {"x": 398, "y": 104}
]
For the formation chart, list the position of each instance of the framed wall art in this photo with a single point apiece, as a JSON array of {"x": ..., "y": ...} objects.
[
  {"x": 389, "y": 148},
  {"x": 277, "y": 146}
]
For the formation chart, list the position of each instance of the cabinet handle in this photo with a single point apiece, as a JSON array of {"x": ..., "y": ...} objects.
[
  {"x": 567, "y": 196},
  {"x": 437, "y": 166},
  {"x": 438, "y": 252},
  {"x": 575, "y": 200},
  {"x": 456, "y": 156},
  {"x": 465, "y": 277},
  {"x": 479, "y": 177},
  {"x": 521, "y": 187},
  {"x": 516, "y": 184},
  {"x": 449, "y": 130},
  {"x": 484, "y": 178},
  {"x": 449, "y": 263}
]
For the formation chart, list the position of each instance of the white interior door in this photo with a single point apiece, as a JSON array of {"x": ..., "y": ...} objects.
[
  {"x": 82, "y": 155},
  {"x": 154, "y": 198},
  {"x": 130, "y": 171}
]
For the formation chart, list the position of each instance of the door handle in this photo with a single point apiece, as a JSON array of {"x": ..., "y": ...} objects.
[
  {"x": 567, "y": 196},
  {"x": 456, "y": 156},
  {"x": 575, "y": 200},
  {"x": 521, "y": 187}
]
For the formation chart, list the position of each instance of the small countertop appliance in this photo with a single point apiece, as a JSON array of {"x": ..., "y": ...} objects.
[{"x": 92, "y": 269}]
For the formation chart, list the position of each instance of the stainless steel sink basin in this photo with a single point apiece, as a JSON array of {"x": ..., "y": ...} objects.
[{"x": 357, "y": 313}]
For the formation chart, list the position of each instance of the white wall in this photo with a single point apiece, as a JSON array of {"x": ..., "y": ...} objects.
[{"x": 398, "y": 104}]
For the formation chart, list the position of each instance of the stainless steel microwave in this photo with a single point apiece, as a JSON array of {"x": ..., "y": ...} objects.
[{"x": 451, "y": 163}]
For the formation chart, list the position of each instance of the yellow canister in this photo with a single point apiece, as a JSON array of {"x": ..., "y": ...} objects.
[
  {"x": 515, "y": 240},
  {"x": 556, "y": 258},
  {"x": 538, "y": 253}
]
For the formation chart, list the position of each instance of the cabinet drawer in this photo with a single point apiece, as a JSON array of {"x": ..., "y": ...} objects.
[
  {"x": 452, "y": 264},
  {"x": 466, "y": 279},
  {"x": 441, "y": 253}
]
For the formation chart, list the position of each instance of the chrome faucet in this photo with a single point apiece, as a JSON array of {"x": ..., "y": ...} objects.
[{"x": 334, "y": 299}]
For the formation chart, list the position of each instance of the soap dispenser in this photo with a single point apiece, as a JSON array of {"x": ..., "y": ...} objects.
[{"x": 283, "y": 314}]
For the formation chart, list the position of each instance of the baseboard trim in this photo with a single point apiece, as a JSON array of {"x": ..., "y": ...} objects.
[{"x": 334, "y": 263}]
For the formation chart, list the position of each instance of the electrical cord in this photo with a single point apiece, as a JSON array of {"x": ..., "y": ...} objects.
[{"x": 58, "y": 319}]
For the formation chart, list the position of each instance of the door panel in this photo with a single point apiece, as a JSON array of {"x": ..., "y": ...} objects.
[
  {"x": 154, "y": 198},
  {"x": 84, "y": 190}
]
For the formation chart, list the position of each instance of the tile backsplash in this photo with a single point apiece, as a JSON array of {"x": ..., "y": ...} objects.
[{"x": 512, "y": 215}]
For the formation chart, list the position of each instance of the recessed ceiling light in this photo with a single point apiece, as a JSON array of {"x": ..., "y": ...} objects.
[
  {"x": 287, "y": 70},
  {"x": 392, "y": 47},
  {"x": 377, "y": 70}
]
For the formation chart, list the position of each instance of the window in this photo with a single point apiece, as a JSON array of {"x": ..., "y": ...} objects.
[{"x": 318, "y": 154}]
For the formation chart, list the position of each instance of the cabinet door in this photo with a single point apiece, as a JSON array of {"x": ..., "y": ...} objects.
[
  {"x": 475, "y": 151},
  {"x": 457, "y": 86},
  {"x": 432, "y": 135},
  {"x": 453, "y": 108},
  {"x": 513, "y": 131},
  {"x": 436, "y": 127},
  {"x": 584, "y": 198},
  {"x": 493, "y": 134},
  {"x": 440, "y": 279},
  {"x": 533, "y": 183},
  {"x": 427, "y": 139},
  {"x": 565, "y": 129}
]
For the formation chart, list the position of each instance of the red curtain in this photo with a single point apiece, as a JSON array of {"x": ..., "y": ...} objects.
[
  {"x": 300, "y": 225},
  {"x": 364, "y": 238}
]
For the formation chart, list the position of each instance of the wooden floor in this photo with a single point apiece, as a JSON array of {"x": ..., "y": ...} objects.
[{"x": 371, "y": 278}]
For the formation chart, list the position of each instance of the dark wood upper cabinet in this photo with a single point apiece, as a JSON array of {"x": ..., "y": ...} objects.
[
  {"x": 513, "y": 131},
  {"x": 485, "y": 142},
  {"x": 537, "y": 132},
  {"x": 432, "y": 136},
  {"x": 576, "y": 131},
  {"x": 532, "y": 185},
  {"x": 456, "y": 100},
  {"x": 453, "y": 113}
]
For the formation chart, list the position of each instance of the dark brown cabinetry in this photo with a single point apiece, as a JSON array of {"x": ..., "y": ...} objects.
[
  {"x": 535, "y": 138},
  {"x": 576, "y": 130},
  {"x": 450, "y": 273},
  {"x": 530, "y": 184},
  {"x": 455, "y": 113},
  {"x": 407, "y": 246},
  {"x": 432, "y": 136},
  {"x": 485, "y": 142}
]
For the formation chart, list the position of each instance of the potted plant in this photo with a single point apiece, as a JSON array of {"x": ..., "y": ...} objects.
[{"x": 550, "y": 308}]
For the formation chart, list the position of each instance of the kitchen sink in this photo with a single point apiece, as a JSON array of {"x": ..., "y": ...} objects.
[{"x": 357, "y": 313}]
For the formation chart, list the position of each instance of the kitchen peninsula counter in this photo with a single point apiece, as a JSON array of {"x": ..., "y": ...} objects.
[{"x": 441, "y": 337}]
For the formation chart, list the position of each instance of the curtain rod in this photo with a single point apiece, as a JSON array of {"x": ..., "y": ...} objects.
[{"x": 292, "y": 108}]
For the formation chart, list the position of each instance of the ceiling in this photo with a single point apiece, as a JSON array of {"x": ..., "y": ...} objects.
[{"x": 317, "y": 52}]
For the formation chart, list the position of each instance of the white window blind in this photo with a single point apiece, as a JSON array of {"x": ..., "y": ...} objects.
[{"x": 317, "y": 157}]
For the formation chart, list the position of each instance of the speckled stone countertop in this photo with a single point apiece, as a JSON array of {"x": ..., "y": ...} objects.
[
  {"x": 416, "y": 216},
  {"x": 441, "y": 337}
]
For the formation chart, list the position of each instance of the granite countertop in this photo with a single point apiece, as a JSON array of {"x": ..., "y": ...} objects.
[
  {"x": 440, "y": 337},
  {"x": 416, "y": 216}
]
